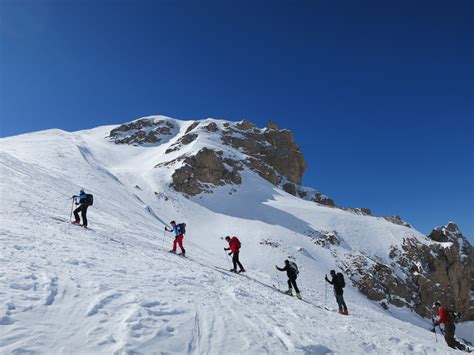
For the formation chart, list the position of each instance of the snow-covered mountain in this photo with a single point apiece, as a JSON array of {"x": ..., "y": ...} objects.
[{"x": 116, "y": 289}]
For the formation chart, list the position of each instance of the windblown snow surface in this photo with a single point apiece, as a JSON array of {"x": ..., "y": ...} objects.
[{"x": 116, "y": 289}]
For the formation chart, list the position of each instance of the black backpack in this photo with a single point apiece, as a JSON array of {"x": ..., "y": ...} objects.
[
  {"x": 340, "y": 280},
  {"x": 455, "y": 316},
  {"x": 294, "y": 268},
  {"x": 182, "y": 228},
  {"x": 89, "y": 199}
]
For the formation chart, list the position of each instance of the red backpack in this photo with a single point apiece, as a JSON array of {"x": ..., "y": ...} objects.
[{"x": 237, "y": 242}]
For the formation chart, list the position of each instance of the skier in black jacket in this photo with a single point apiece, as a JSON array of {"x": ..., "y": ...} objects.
[
  {"x": 292, "y": 273},
  {"x": 338, "y": 292}
]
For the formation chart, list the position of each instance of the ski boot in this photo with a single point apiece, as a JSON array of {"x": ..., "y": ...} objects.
[
  {"x": 345, "y": 312},
  {"x": 173, "y": 251},
  {"x": 289, "y": 292},
  {"x": 298, "y": 296},
  {"x": 233, "y": 270},
  {"x": 240, "y": 271},
  {"x": 76, "y": 222}
]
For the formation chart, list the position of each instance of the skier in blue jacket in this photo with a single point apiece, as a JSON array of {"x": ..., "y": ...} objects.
[{"x": 81, "y": 200}]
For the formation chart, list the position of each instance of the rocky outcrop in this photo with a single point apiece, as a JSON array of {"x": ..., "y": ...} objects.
[
  {"x": 270, "y": 152},
  {"x": 363, "y": 211},
  {"x": 184, "y": 140},
  {"x": 202, "y": 171},
  {"x": 421, "y": 273},
  {"x": 275, "y": 148},
  {"x": 397, "y": 220},
  {"x": 142, "y": 131}
]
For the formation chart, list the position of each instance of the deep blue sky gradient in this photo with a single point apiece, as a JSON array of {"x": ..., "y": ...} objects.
[{"x": 378, "y": 94}]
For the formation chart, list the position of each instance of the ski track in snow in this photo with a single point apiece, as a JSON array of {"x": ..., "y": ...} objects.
[{"x": 115, "y": 289}]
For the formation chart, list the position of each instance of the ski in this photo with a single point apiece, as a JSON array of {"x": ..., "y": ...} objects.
[
  {"x": 175, "y": 253},
  {"x": 81, "y": 225}
]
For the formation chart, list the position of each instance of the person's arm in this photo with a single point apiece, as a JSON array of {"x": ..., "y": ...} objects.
[
  {"x": 279, "y": 269},
  {"x": 327, "y": 280}
]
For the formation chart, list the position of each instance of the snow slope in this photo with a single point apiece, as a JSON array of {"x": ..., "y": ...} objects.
[{"x": 115, "y": 289}]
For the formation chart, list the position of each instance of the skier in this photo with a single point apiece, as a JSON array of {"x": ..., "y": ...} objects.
[
  {"x": 234, "y": 247},
  {"x": 292, "y": 272},
  {"x": 338, "y": 283},
  {"x": 179, "y": 231},
  {"x": 449, "y": 327},
  {"x": 84, "y": 201}
]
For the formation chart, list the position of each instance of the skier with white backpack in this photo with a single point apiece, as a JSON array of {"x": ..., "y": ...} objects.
[
  {"x": 292, "y": 272},
  {"x": 338, "y": 283}
]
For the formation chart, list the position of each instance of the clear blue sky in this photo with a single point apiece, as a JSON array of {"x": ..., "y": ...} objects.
[{"x": 379, "y": 94}]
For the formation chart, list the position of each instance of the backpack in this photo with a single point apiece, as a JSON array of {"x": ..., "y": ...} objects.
[
  {"x": 182, "y": 228},
  {"x": 239, "y": 244},
  {"x": 340, "y": 279},
  {"x": 89, "y": 199},
  {"x": 455, "y": 316},
  {"x": 294, "y": 268}
]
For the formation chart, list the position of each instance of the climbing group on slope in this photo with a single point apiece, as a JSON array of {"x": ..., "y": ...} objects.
[{"x": 446, "y": 317}]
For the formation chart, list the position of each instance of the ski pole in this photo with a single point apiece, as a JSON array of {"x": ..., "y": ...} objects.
[
  {"x": 278, "y": 280},
  {"x": 228, "y": 260},
  {"x": 163, "y": 240},
  {"x": 325, "y": 293},
  {"x": 434, "y": 329},
  {"x": 72, "y": 206}
]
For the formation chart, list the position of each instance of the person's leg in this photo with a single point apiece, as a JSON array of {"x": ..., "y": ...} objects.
[
  {"x": 174, "y": 245},
  {"x": 339, "y": 303},
  {"x": 295, "y": 286},
  {"x": 180, "y": 243},
  {"x": 238, "y": 261},
  {"x": 84, "y": 215},
  {"x": 290, "y": 289},
  {"x": 76, "y": 214},
  {"x": 449, "y": 335},
  {"x": 343, "y": 304},
  {"x": 235, "y": 257}
]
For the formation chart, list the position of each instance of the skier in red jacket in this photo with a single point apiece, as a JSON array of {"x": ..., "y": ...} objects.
[
  {"x": 449, "y": 327},
  {"x": 234, "y": 247}
]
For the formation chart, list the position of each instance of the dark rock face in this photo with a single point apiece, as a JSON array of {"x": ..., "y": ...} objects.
[
  {"x": 397, "y": 220},
  {"x": 421, "y": 274},
  {"x": 184, "y": 140},
  {"x": 143, "y": 131},
  {"x": 271, "y": 153},
  {"x": 191, "y": 127},
  {"x": 273, "y": 147},
  {"x": 202, "y": 171},
  {"x": 212, "y": 127}
]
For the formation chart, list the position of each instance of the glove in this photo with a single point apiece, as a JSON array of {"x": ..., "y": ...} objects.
[
  {"x": 433, "y": 330},
  {"x": 230, "y": 253}
]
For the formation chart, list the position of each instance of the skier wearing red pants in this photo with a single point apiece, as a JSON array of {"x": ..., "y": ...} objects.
[{"x": 179, "y": 231}]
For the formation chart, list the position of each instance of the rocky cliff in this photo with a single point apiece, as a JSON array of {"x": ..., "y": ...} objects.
[{"x": 420, "y": 273}]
